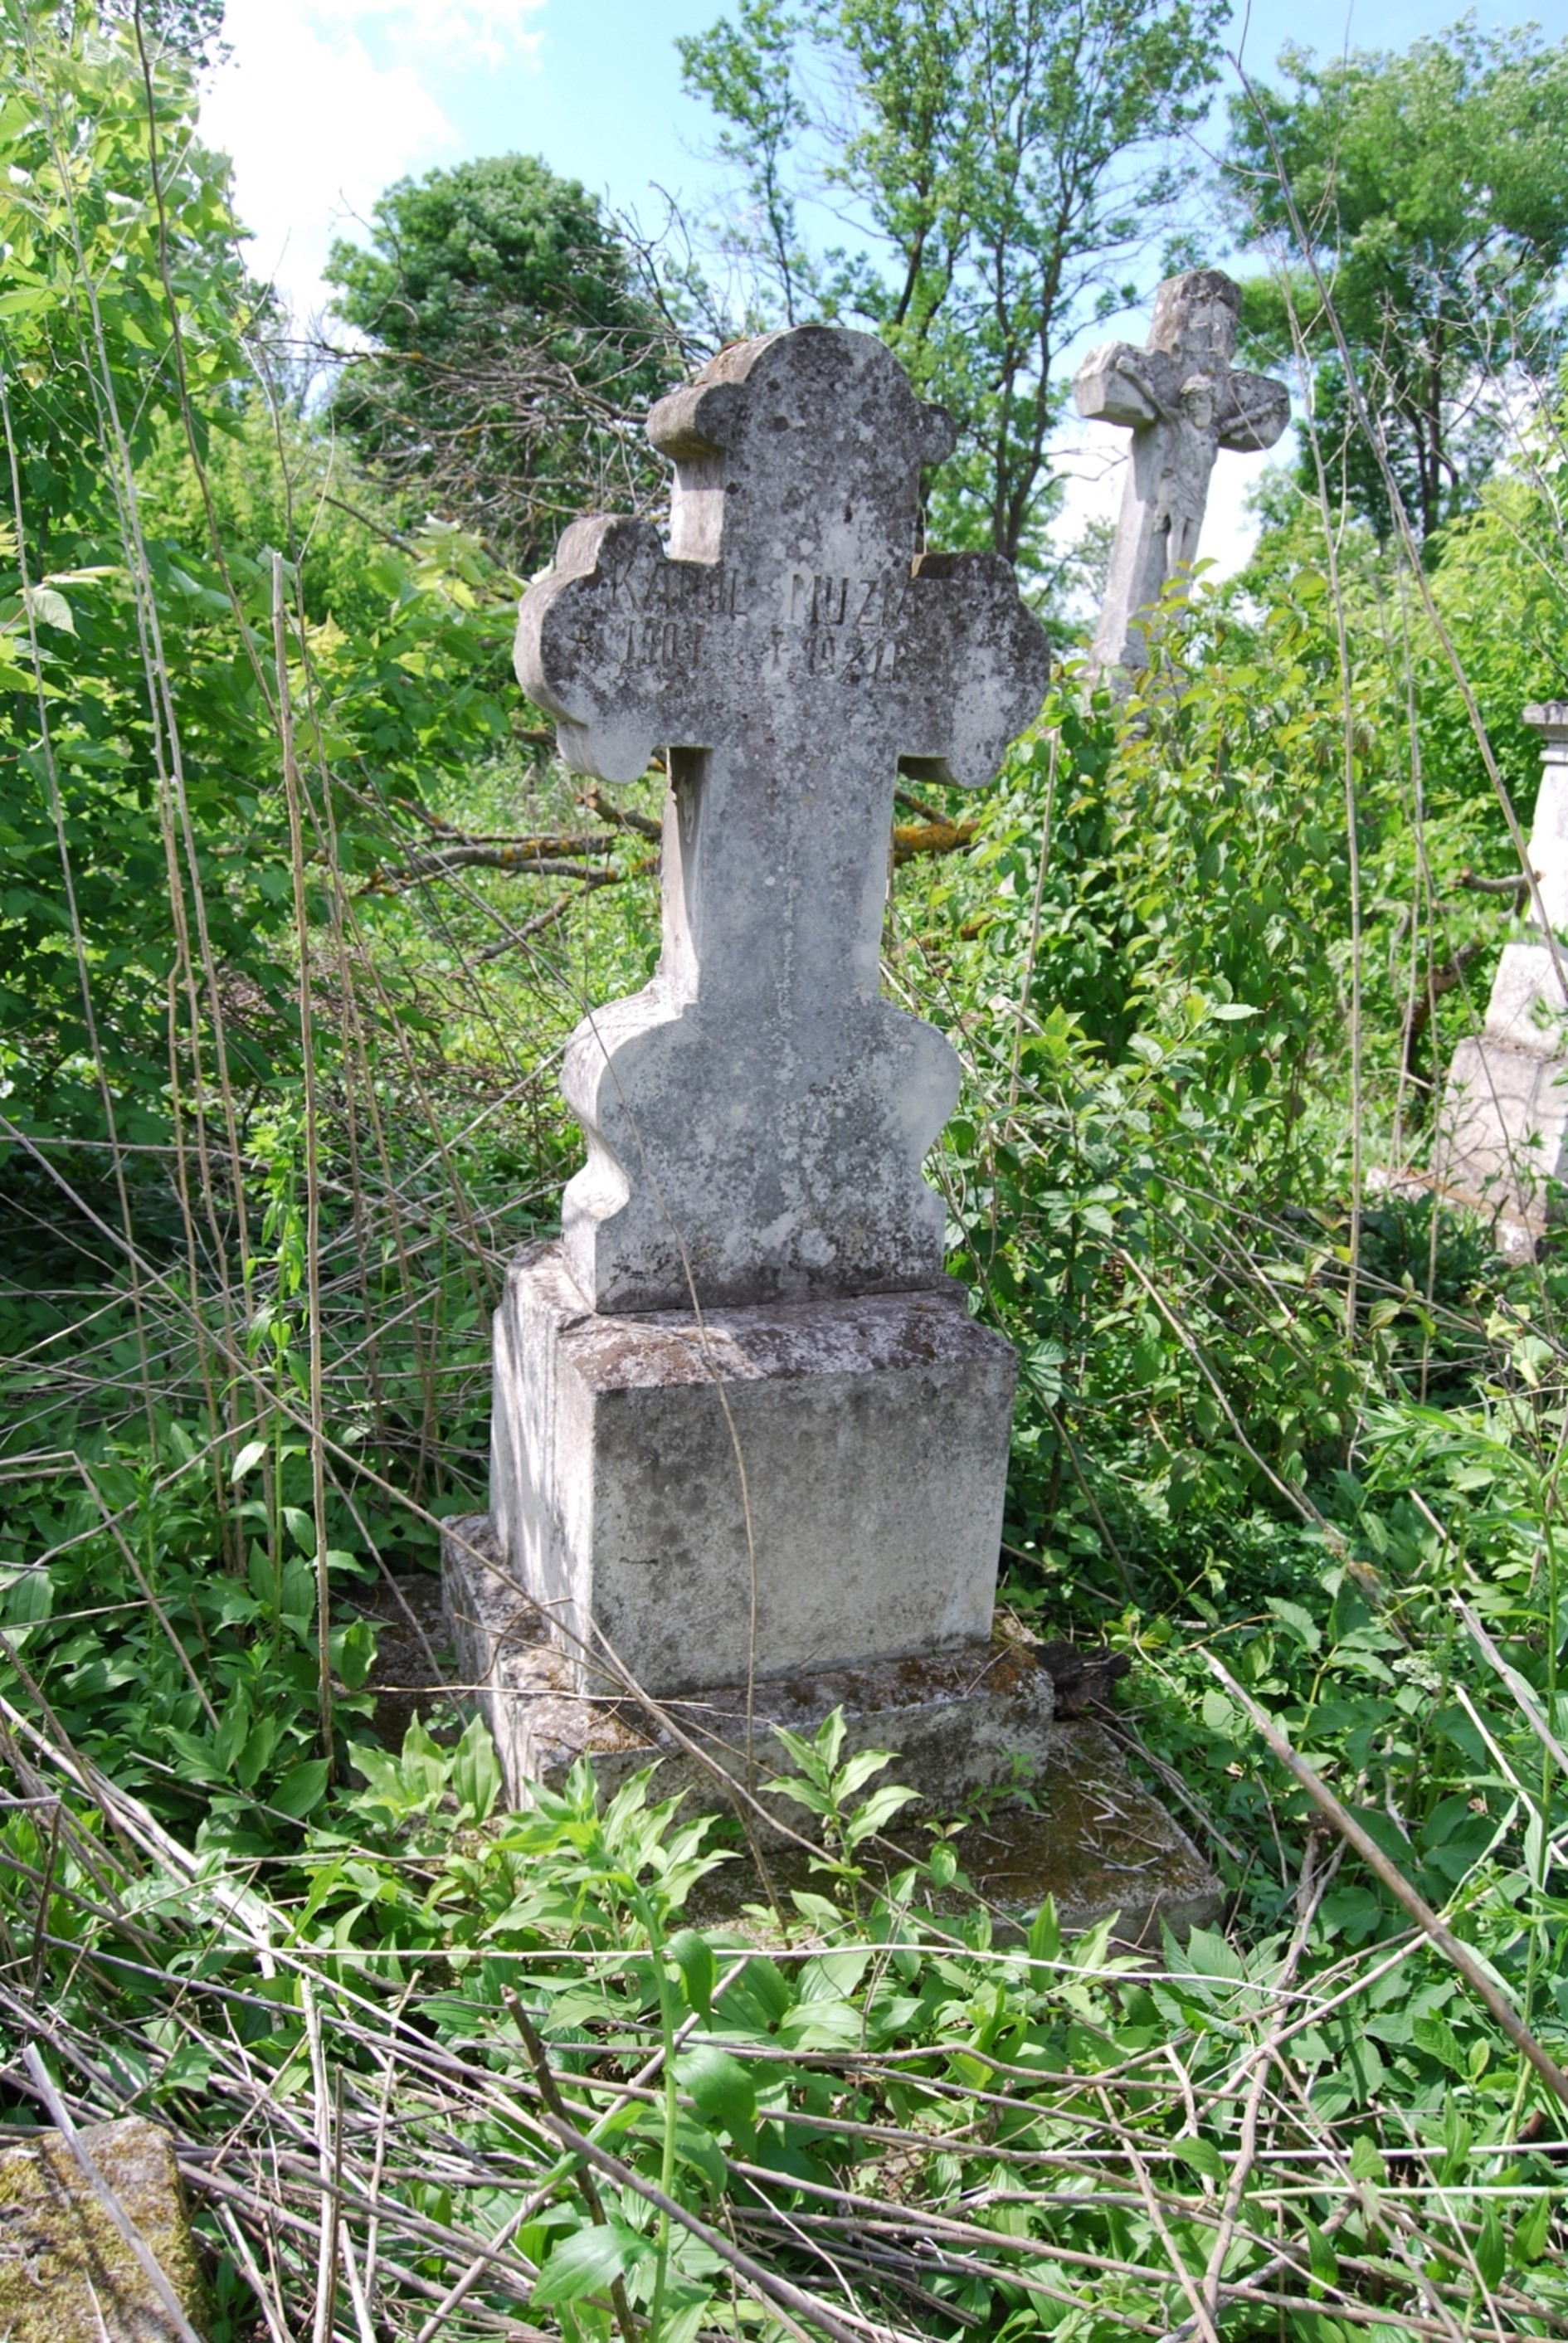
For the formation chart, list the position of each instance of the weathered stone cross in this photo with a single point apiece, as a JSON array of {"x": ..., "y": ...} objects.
[
  {"x": 1182, "y": 402},
  {"x": 756, "y": 1117}
]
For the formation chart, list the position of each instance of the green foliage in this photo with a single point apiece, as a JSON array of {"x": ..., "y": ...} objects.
[
  {"x": 440, "y": 1967},
  {"x": 140, "y": 781},
  {"x": 1314, "y": 1430},
  {"x": 509, "y": 331},
  {"x": 1011, "y": 159},
  {"x": 1433, "y": 186}
]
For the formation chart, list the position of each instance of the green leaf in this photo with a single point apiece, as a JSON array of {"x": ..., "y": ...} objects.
[
  {"x": 353, "y": 1652},
  {"x": 800, "y": 1792},
  {"x": 719, "y": 2088},
  {"x": 860, "y": 1768},
  {"x": 301, "y": 1789},
  {"x": 1324, "y": 2261},
  {"x": 256, "y": 1754},
  {"x": 1491, "y": 2252},
  {"x": 1300, "y": 1623},
  {"x": 1530, "y": 2232},
  {"x": 49, "y": 607},
  {"x": 1201, "y": 2157},
  {"x": 476, "y": 1780},
  {"x": 693, "y": 1956},
  {"x": 249, "y": 1457},
  {"x": 1437, "y": 2038},
  {"x": 587, "y": 2262},
  {"x": 232, "y": 1729},
  {"x": 1045, "y": 1933},
  {"x": 880, "y": 1807},
  {"x": 380, "y": 1771}
]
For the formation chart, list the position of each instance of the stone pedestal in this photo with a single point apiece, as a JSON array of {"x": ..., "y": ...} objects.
[
  {"x": 873, "y": 1435},
  {"x": 1056, "y": 1811}
]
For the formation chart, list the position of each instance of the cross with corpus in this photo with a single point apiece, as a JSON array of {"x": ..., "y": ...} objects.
[
  {"x": 1182, "y": 401},
  {"x": 757, "y": 1116}
]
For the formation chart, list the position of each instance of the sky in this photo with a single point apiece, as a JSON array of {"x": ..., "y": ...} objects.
[{"x": 321, "y": 104}]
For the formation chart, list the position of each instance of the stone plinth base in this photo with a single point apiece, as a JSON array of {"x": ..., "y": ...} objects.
[
  {"x": 1505, "y": 1136},
  {"x": 977, "y": 1719},
  {"x": 863, "y": 1443}
]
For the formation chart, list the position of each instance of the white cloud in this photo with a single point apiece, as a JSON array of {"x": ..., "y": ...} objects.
[{"x": 321, "y": 104}]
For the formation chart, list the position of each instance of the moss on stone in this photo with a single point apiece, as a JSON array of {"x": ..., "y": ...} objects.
[{"x": 65, "y": 2275}]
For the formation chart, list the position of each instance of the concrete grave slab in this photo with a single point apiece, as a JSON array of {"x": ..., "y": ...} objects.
[{"x": 978, "y": 1719}]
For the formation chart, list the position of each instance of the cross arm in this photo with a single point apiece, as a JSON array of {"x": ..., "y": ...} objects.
[
  {"x": 585, "y": 654},
  {"x": 980, "y": 669},
  {"x": 1255, "y": 414},
  {"x": 1112, "y": 386}
]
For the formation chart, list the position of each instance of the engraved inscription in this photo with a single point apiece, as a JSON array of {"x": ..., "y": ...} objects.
[
  {"x": 848, "y": 627},
  {"x": 876, "y": 603},
  {"x": 848, "y": 656},
  {"x": 669, "y": 646},
  {"x": 677, "y": 590}
]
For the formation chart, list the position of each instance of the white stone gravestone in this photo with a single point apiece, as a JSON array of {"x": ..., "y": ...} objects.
[
  {"x": 749, "y": 1445},
  {"x": 1182, "y": 401},
  {"x": 751, "y": 1260},
  {"x": 1505, "y": 1130}
]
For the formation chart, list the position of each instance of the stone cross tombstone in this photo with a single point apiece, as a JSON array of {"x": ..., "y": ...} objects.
[
  {"x": 757, "y": 1116},
  {"x": 743, "y": 1424},
  {"x": 1503, "y": 1134},
  {"x": 1182, "y": 401}
]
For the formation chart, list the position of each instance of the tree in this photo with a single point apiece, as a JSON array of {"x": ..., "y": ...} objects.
[
  {"x": 147, "y": 947},
  {"x": 510, "y": 342},
  {"x": 1432, "y": 188},
  {"x": 1011, "y": 159}
]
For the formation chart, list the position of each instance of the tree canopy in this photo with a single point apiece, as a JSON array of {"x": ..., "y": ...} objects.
[
  {"x": 510, "y": 341},
  {"x": 1431, "y": 188},
  {"x": 1013, "y": 159}
]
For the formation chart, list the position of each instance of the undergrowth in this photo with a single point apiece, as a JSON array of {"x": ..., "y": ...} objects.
[{"x": 299, "y": 910}]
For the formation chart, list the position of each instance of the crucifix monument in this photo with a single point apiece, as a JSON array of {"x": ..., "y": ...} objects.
[
  {"x": 749, "y": 1447},
  {"x": 1182, "y": 401}
]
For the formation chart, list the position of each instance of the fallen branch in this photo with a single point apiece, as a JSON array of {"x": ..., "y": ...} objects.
[
  {"x": 1516, "y": 886},
  {"x": 1443, "y": 979},
  {"x": 935, "y": 836},
  {"x": 646, "y": 825}
]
